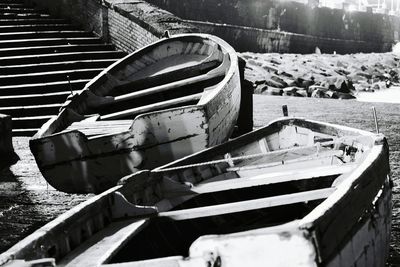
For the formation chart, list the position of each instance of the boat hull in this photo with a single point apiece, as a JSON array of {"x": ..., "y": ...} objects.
[
  {"x": 350, "y": 228},
  {"x": 204, "y": 216},
  {"x": 74, "y": 163}
]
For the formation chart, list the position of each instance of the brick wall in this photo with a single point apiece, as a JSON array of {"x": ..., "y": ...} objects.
[
  {"x": 128, "y": 24},
  {"x": 126, "y": 34}
]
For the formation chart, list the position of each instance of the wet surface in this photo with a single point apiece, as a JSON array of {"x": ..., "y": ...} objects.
[{"x": 27, "y": 202}]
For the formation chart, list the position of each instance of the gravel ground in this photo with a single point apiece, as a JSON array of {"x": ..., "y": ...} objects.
[{"x": 27, "y": 202}]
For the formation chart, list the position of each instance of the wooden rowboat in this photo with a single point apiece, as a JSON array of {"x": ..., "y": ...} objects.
[
  {"x": 172, "y": 98},
  {"x": 295, "y": 193}
]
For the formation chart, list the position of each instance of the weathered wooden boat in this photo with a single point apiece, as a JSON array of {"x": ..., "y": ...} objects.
[
  {"x": 172, "y": 98},
  {"x": 295, "y": 193}
]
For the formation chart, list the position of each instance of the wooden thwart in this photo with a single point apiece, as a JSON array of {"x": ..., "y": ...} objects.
[
  {"x": 152, "y": 107},
  {"x": 157, "y": 89},
  {"x": 91, "y": 128},
  {"x": 273, "y": 178},
  {"x": 315, "y": 156},
  {"x": 178, "y": 73},
  {"x": 103, "y": 244},
  {"x": 248, "y": 205},
  {"x": 273, "y": 157}
]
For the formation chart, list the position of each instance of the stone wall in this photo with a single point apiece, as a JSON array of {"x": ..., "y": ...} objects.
[
  {"x": 370, "y": 32},
  {"x": 128, "y": 24},
  {"x": 246, "y": 39}
]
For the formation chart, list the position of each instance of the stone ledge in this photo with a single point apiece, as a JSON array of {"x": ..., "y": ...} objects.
[
  {"x": 151, "y": 18},
  {"x": 7, "y": 154}
]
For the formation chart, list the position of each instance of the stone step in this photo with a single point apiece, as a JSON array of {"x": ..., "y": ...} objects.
[
  {"x": 37, "y": 50},
  {"x": 34, "y": 99},
  {"x": 12, "y": 1},
  {"x": 24, "y": 132},
  {"x": 54, "y": 57},
  {"x": 37, "y": 27},
  {"x": 42, "y": 88},
  {"x": 30, "y": 122},
  {"x": 43, "y": 34},
  {"x": 43, "y": 59},
  {"x": 22, "y": 21},
  {"x": 14, "y": 5},
  {"x": 51, "y": 76},
  {"x": 25, "y": 111},
  {"x": 56, "y": 66},
  {"x": 49, "y": 41},
  {"x": 19, "y": 9},
  {"x": 24, "y": 15}
]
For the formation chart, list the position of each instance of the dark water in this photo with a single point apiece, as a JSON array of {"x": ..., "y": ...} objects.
[{"x": 27, "y": 202}]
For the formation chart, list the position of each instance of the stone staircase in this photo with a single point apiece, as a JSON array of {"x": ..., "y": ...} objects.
[{"x": 42, "y": 59}]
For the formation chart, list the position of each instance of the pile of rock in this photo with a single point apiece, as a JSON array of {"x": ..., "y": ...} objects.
[{"x": 321, "y": 75}]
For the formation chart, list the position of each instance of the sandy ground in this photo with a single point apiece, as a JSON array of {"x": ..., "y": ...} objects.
[{"x": 27, "y": 202}]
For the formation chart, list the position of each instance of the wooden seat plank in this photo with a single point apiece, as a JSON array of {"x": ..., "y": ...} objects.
[
  {"x": 157, "y": 89},
  {"x": 152, "y": 107},
  {"x": 273, "y": 178},
  {"x": 272, "y": 157},
  {"x": 90, "y": 128},
  {"x": 178, "y": 72},
  {"x": 103, "y": 244},
  {"x": 247, "y": 205},
  {"x": 277, "y": 162}
]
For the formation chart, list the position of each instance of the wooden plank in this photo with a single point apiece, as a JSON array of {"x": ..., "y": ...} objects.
[
  {"x": 175, "y": 84},
  {"x": 367, "y": 245},
  {"x": 172, "y": 76},
  {"x": 103, "y": 244},
  {"x": 90, "y": 128},
  {"x": 157, "y": 89},
  {"x": 248, "y": 205},
  {"x": 272, "y": 178},
  {"x": 153, "y": 107},
  {"x": 273, "y": 156},
  {"x": 173, "y": 261},
  {"x": 278, "y": 161},
  {"x": 166, "y": 87}
]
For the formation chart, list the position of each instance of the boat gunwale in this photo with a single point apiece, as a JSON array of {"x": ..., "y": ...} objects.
[
  {"x": 306, "y": 224},
  {"x": 255, "y": 135},
  {"x": 326, "y": 211},
  {"x": 229, "y": 73},
  {"x": 58, "y": 222}
]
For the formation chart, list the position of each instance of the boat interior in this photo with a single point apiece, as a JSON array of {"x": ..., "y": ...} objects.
[
  {"x": 274, "y": 180},
  {"x": 273, "y": 176},
  {"x": 174, "y": 74}
]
